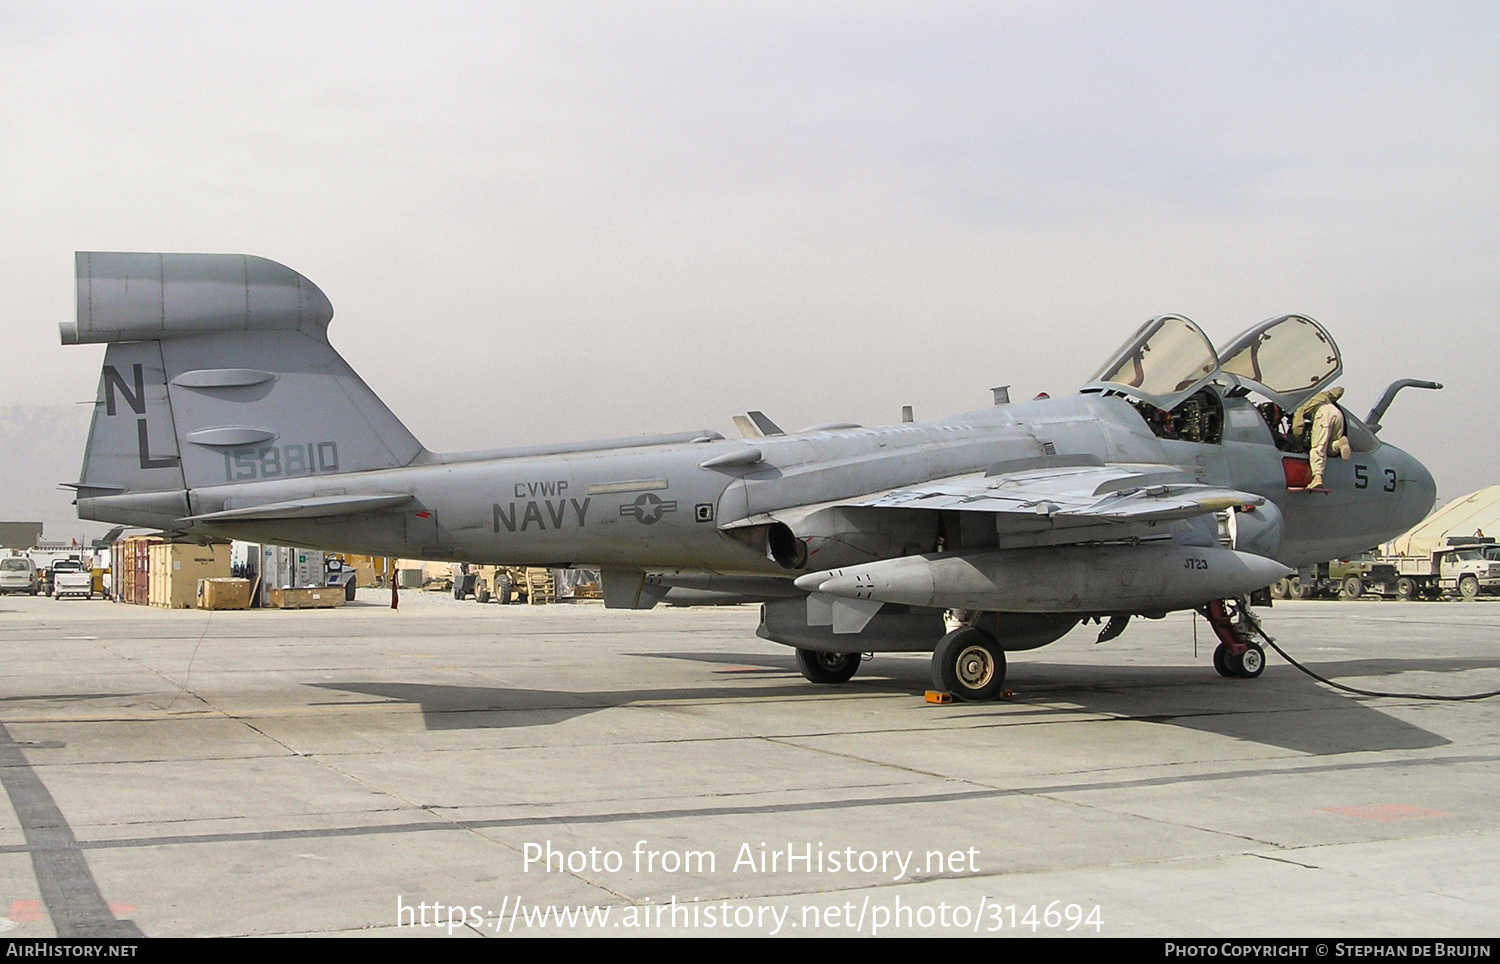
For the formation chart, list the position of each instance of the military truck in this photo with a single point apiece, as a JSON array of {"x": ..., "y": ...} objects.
[
  {"x": 1366, "y": 573},
  {"x": 1465, "y": 566},
  {"x": 502, "y": 584},
  {"x": 1339, "y": 579}
]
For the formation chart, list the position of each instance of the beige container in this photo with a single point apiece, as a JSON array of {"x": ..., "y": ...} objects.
[
  {"x": 370, "y": 570},
  {"x": 227, "y": 593},
  {"x": 175, "y": 570},
  {"x": 330, "y": 598}
]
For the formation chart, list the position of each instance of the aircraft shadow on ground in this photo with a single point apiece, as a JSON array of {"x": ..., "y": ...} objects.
[
  {"x": 68, "y": 697},
  {"x": 1284, "y": 708},
  {"x": 446, "y": 707}
]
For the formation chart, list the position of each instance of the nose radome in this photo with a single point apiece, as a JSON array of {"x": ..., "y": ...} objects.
[{"x": 1419, "y": 491}]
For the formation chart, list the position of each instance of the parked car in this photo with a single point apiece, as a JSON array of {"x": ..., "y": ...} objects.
[{"x": 19, "y": 574}]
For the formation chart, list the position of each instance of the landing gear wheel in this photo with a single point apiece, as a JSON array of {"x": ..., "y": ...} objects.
[
  {"x": 1468, "y": 587},
  {"x": 1249, "y": 664},
  {"x": 1236, "y": 626},
  {"x": 1406, "y": 588},
  {"x": 970, "y": 664},
  {"x": 1282, "y": 589},
  {"x": 820, "y": 667}
]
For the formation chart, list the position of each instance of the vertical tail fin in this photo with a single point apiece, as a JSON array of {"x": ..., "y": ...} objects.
[{"x": 218, "y": 372}]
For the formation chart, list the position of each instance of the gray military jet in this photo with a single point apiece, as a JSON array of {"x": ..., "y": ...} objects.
[{"x": 224, "y": 412}]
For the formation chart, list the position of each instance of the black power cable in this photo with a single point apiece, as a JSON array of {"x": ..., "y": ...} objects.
[{"x": 1351, "y": 689}]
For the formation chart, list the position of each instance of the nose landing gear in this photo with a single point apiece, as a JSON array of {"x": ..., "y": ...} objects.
[{"x": 1239, "y": 653}]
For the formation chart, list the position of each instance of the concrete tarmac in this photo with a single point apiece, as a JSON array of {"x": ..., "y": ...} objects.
[{"x": 556, "y": 770}]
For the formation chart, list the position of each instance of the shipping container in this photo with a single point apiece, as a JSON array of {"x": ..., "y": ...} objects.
[
  {"x": 175, "y": 569},
  {"x": 130, "y": 569}
]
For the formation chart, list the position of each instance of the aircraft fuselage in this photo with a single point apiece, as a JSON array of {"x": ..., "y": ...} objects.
[{"x": 656, "y": 506}]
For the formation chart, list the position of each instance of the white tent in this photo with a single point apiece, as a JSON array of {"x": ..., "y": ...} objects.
[{"x": 1466, "y": 516}]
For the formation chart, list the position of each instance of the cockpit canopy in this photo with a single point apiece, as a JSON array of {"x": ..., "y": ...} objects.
[
  {"x": 1163, "y": 362},
  {"x": 1286, "y": 359}
]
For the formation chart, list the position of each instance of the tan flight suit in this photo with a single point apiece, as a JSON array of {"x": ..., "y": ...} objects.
[{"x": 1327, "y": 431}]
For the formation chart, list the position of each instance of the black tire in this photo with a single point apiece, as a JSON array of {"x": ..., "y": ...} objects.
[
  {"x": 1353, "y": 588},
  {"x": 349, "y": 591},
  {"x": 481, "y": 594},
  {"x": 827, "y": 668},
  {"x": 1304, "y": 592},
  {"x": 502, "y": 592},
  {"x": 1468, "y": 587},
  {"x": 1406, "y": 588},
  {"x": 1252, "y": 662},
  {"x": 1221, "y": 661},
  {"x": 970, "y": 664}
]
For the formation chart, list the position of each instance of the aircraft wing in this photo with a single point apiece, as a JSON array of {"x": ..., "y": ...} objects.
[{"x": 1069, "y": 495}]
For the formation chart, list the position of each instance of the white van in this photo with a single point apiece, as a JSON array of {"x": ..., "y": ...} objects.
[{"x": 18, "y": 574}]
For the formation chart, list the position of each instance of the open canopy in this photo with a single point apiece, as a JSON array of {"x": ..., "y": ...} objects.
[
  {"x": 1165, "y": 361},
  {"x": 1286, "y": 359}
]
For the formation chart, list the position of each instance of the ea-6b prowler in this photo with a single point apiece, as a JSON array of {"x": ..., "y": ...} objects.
[{"x": 224, "y": 412}]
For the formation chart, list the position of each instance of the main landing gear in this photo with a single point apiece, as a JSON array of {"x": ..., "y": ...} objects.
[
  {"x": 1239, "y": 654},
  {"x": 970, "y": 664},
  {"x": 820, "y": 667}
]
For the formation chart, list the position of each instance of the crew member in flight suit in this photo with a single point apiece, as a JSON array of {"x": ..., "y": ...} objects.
[{"x": 1327, "y": 431}]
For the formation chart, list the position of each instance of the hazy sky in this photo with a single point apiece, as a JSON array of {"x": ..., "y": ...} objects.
[{"x": 562, "y": 221}]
